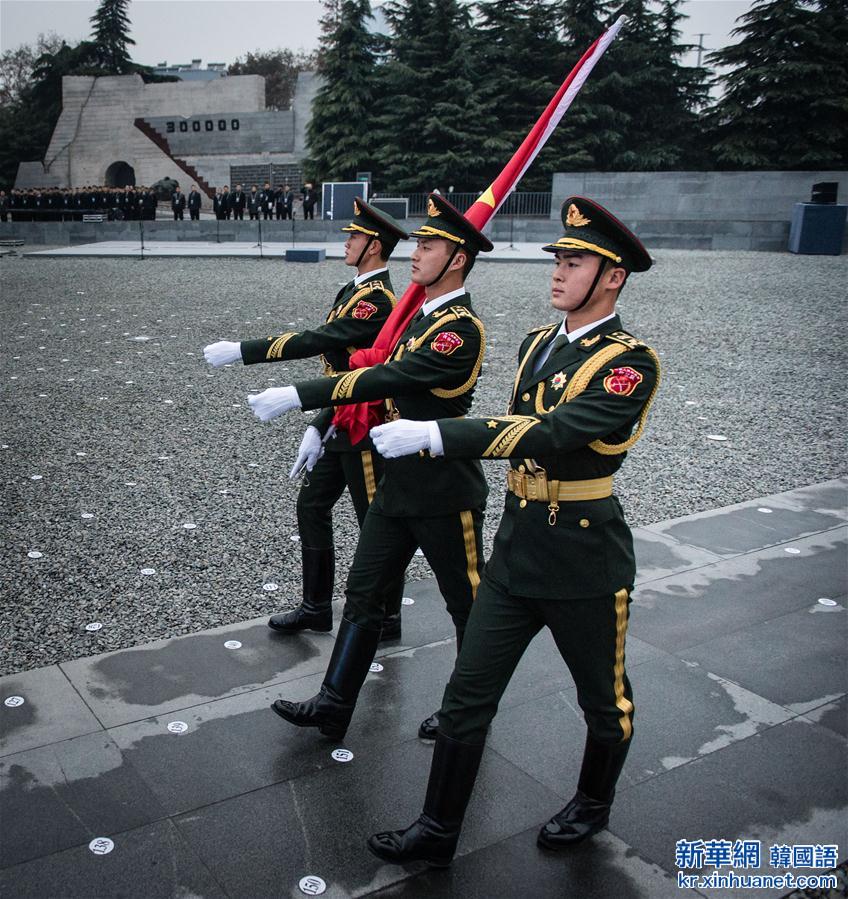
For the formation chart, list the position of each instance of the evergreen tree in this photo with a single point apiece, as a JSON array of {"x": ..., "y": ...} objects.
[
  {"x": 279, "y": 68},
  {"x": 431, "y": 129},
  {"x": 518, "y": 51},
  {"x": 112, "y": 37},
  {"x": 640, "y": 106},
  {"x": 340, "y": 132},
  {"x": 785, "y": 100}
]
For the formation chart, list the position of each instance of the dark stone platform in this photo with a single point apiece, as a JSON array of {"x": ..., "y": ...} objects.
[{"x": 739, "y": 676}]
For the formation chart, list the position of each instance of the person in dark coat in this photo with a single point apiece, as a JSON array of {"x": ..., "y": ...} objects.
[
  {"x": 238, "y": 200},
  {"x": 254, "y": 202},
  {"x": 178, "y": 204},
  {"x": 309, "y": 200},
  {"x": 194, "y": 203},
  {"x": 226, "y": 201}
]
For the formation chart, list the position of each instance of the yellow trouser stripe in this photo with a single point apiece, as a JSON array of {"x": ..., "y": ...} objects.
[
  {"x": 624, "y": 704},
  {"x": 368, "y": 472},
  {"x": 470, "y": 550}
]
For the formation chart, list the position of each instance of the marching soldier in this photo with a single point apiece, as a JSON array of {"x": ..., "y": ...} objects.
[
  {"x": 563, "y": 554},
  {"x": 434, "y": 504},
  {"x": 356, "y": 317}
]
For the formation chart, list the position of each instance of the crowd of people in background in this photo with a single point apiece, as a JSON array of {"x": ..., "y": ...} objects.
[
  {"x": 54, "y": 204},
  {"x": 266, "y": 203}
]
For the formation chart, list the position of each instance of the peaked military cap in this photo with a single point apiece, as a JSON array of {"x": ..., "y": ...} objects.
[
  {"x": 375, "y": 223},
  {"x": 589, "y": 228},
  {"x": 445, "y": 221}
]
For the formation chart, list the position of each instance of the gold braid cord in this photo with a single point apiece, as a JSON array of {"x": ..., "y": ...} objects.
[
  {"x": 542, "y": 333},
  {"x": 452, "y": 316},
  {"x": 344, "y": 386},
  {"x": 584, "y": 375}
]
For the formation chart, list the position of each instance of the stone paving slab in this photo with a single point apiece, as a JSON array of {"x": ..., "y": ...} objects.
[
  {"x": 741, "y": 731},
  {"x": 784, "y": 786},
  {"x": 503, "y": 252},
  {"x": 52, "y": 710}
]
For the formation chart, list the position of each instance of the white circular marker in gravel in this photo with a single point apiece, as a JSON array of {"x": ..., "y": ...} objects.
[
  {"x": 375, "y": 668},
  {"x": 825, "y": 601},
  {"x": 270, "y": 587},
  {"x": 168, "y": 402},
  {"x": 189, "y": 525},
  {"x": 253, "y": 465},
  {"x": 130, "y": 483},
  {"x": 312, "y": 885},
  {"x": 80, "y": 454},
  {"x": 93, "y": 626},
  {"x": 87, "y": 515},
  {"x": 13, "y": 702},
  {"x": 148, "y": 571},
  {"x": 232, "y": 644},
  {"x": 690, "y": 403},
  {"x": 719, "y": 437},
  {"x": 177, "y": 727},
  {"x": 793, "y": 551},
  {"x": 35, "y": 477},
  {"x": 407, "y": 601},
  {"x": 101, "y": 846},
  {"x": 765, "y": 510},
  {"x": 34, "y": 554},
  {"x": 294, "y": 538},
  {"x": 342, "y": 755}
]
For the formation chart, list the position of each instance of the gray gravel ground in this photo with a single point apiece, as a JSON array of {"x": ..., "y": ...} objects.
[{"x": 133, "y": 439}]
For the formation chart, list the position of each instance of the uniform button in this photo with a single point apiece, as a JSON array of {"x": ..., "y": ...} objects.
[
  {"x": 522, "y": 469},
  {"x": 523, "y": 503},
  {"x": 584, "y": 522},
  {"x": 525, "y": 397}
]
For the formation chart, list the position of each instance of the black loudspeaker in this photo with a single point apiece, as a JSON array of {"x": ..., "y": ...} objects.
[{"x": 825, "y": 192}]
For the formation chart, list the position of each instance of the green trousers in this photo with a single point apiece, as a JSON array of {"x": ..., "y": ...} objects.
[
  {"x": 590, "y": 635},
  {"x": 451, "y": 543},
  {"x": 359, "y": 472}
]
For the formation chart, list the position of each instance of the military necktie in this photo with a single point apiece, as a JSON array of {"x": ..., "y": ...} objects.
[{"x": 558, "y": 344}]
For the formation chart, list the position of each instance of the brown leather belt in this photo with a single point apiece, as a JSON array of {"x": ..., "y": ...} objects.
[{"x": 538, "y": 488}]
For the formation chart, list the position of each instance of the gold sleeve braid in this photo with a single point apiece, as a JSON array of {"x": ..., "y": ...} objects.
[
  {"x": 504, "y": 444},
  {"x": 452, "y": 316},
  {"x": 275, "y": 351},
  {"x": 344, "y": 386},
  {"x": 584, "y": 375}
]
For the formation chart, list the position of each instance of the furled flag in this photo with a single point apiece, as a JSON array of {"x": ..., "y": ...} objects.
[{"x": 359, "y": 418}]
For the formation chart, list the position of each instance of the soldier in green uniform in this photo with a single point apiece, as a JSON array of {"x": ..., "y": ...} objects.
[
  {"x": 432, "y": 503},
  {"x": 563, "y": 554},
  {"x": 358, "y": 313}
]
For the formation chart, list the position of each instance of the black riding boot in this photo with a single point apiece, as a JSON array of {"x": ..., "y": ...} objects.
[
  {"x": 315, "y": 613},
  {"x": 429, "y": 727},
  {"x": 331, "y": 709},
  {"x": 588, "y": 811},
  {"x": 433, "y": 837}
]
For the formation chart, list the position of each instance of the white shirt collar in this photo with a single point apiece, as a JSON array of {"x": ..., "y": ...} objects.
[
  {"x": 585, "y": 329},
  {"x": 368, "y": 275},
  {"x": 436, "y": 302}
]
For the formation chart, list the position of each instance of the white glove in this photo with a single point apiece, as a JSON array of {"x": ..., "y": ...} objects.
[
  {"x": 401, "y": 438},
  {"x": 273, "y": 402},
  {"x": 311, "y": 450},
  {"x": 222, "y": 353}
]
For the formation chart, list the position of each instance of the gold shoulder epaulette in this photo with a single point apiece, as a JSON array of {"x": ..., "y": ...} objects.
[
  {"x": 542, "y": 328},
  {"x": 462, "y": 312},
  {"x": 628, "y": 340}
]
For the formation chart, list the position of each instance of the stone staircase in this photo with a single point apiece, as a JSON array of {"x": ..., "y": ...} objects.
[{"x": 150, "y": 132}]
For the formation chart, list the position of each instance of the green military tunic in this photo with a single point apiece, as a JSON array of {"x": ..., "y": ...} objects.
[
  {"x": 547, "y": 430},
  {"x": 431, "y": 373}
]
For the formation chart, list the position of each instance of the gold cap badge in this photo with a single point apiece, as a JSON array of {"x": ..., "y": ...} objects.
[
  {"x": 574, "y": 217},
  {"x": 432, "y": 209}
]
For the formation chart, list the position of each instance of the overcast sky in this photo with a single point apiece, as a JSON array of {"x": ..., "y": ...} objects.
[{"x": 178, "y": 31}]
